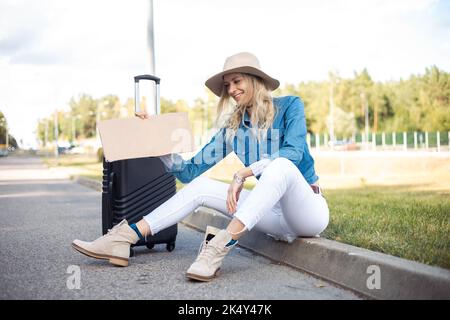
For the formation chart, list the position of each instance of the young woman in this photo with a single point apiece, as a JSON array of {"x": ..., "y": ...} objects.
[{"x": 269, "y": 136}]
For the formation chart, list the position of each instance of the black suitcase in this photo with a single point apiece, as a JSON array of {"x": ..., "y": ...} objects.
[{"x": 135, "y": 187}]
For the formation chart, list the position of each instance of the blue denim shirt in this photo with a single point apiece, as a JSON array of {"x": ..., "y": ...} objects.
[{"x": 286, "y": 138}]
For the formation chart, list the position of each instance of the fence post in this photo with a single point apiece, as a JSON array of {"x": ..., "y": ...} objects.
[
  {"x": 308, "y": 140},
  {"x": 405, "y": 142},
  {"x": 415, "y": 140},
  {"x": 438, "y": 140},
  {"x": 363, "y": 140},
  {"x": 393, "y": 139},
  {"x": 317, "y": 142},
  {"x": 325, "y": 140},
  {"x": 374, "y": 141},
  {"x": 426, "y": 140},
  {"x": 383, "y": 140}
]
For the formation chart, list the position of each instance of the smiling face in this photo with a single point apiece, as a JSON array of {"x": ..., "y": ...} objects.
[{"x": 238, "y": 87}]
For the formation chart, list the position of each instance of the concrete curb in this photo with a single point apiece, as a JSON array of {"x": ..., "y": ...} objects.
[
  {"x": 348, "y": 266},
  {"x": 372, "y": 274},
  {"x": 90, "y": 183}
]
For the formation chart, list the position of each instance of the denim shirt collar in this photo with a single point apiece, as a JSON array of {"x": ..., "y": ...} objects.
[{"x": 246, "y": 119}]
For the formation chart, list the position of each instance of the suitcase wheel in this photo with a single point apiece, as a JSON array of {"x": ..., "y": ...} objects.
[
  {"x": 131, "y": 252},
  {"x": 150, "y": 246},
  {"x": 170, "y": 246}
]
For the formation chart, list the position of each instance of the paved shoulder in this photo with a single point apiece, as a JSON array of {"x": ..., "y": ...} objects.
[{"x": 40, "y": 218}]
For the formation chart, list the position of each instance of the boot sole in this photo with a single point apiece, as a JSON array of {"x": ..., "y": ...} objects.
[
  {"x": 117, "y": 261},
  {"x": 202, "y": 278}
]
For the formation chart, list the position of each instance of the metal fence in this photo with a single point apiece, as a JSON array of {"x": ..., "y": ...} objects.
[{"x": 425, "y": 141}]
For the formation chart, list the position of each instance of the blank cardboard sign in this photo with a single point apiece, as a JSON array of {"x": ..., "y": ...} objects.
[{"x": 137, "y": 138}]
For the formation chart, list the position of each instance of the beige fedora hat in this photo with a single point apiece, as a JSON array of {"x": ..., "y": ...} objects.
[{"x": 243, "y": 62}]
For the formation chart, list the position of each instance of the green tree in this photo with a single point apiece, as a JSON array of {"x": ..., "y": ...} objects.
[
  {"x": 434, "y": 99},
  {"x": 3, "y": 127},
  {"x": 86, "y": 108}
]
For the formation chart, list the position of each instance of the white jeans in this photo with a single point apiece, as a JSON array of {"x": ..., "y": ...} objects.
[{"x": 282, "y": 204}]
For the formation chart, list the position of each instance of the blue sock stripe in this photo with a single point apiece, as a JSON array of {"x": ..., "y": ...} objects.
[{"x": 135, "y": 228}]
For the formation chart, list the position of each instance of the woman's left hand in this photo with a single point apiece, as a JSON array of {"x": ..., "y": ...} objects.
[{"x": 233, "y": 195}]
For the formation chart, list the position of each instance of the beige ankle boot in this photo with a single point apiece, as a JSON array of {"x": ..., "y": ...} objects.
[
  {"x": 113, "y": 246},
  {"x": 212, "y": 251}
]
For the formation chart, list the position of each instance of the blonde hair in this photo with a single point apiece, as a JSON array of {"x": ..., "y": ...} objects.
[{"x": 230, "y": 116}]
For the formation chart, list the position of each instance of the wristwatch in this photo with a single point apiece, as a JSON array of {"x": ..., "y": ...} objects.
[{"x": 238, "y": 179}]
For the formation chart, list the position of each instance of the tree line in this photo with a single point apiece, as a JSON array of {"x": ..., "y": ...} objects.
[
  {"x": 419, "y": 103},
  {"x": 4, "y": 131},
  {"x": 79, "y": 122}
]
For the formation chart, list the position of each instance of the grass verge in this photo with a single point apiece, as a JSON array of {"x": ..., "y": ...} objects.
[
  {"x": 408, "y": 224},
  {"x": 413, "y": 225}
]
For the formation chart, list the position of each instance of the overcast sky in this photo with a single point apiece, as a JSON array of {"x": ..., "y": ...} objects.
[{"x": 52, "y": 50}]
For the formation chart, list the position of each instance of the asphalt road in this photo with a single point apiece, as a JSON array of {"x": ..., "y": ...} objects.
[{"x": 42, "y": 212}]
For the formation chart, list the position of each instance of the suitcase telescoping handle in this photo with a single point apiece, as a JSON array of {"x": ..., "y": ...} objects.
[{"x": 137, "y": 102}]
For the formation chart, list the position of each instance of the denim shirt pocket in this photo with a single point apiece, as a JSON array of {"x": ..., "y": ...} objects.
[{"x": 270, "y": 145}]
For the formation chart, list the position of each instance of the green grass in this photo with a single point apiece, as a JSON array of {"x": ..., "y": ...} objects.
[
  {"x": 76, "y": 165},
  {"x": 396, "y": 221},
  {"x": 393, "y": 220},
  {"x": 399, "y": 221},
  {"x": 69, "y": 161}
]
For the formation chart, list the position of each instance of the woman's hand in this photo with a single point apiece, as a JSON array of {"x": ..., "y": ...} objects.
[
  {"x": 142, "y": 115},
  {"x": 233, "y": 193}
]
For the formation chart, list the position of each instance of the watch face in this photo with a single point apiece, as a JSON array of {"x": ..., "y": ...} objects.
[{"x": 238, "y": 179}]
